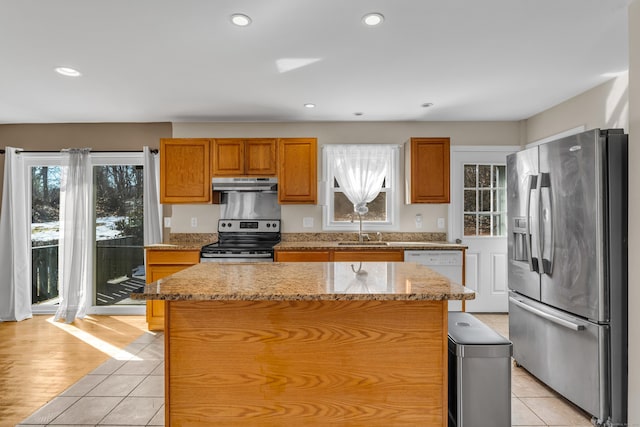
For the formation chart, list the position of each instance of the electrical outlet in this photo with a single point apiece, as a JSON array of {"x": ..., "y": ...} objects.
[
  {"x": 418, "y": 220},
  {"x": 441, "y": 223},
  {"x": 194, "y": 222},
  {"x": 307, "y": 222},
  {"x": 167, "y": 222}
]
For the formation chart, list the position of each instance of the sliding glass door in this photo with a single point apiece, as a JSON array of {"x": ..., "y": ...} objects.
[
  {"x": 45, "y": 226},
  {"x": 117, "y": 248},
  {"x": 119, "y": 232}
]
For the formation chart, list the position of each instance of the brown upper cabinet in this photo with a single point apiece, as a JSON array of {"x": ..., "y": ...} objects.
[
  {"x": 185, "y": 166},
  {"x": 297, "y": 171},
  {"x": 427, "y": 170},
  {"x": 244, "y": 157}
]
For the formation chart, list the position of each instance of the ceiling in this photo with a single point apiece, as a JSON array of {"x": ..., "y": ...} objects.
[{"x": 183, "y": 61}]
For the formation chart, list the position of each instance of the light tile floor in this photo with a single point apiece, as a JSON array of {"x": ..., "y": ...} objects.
[{"x": 128, "y": 390}]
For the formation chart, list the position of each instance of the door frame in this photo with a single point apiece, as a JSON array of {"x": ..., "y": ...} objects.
[
  {"x": 97, "y": 159},
  {"x": 484, "y": 154}
]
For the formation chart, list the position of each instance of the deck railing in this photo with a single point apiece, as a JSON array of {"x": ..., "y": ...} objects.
[{"x": 114, "y": 258}]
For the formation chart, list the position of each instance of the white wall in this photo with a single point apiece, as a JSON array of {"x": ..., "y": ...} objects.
[
  {"x": 634, "y": 212},
  {"x": 605, "y": 106},
  {"x": 461, "y": 133}
]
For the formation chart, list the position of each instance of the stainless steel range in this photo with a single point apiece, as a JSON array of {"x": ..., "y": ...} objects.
[{"x": 243, "y": 240}]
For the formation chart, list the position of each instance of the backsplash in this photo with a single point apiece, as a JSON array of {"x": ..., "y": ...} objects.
[
  {"x": 351, "y": 236},
  {"x": 192, "y": 238}
]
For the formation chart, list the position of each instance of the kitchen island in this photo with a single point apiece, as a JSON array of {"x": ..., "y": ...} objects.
[{"x": 279, "y": 344}]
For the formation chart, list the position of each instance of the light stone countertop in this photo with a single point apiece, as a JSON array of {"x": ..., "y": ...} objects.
[{"x": 299, "y": 281}]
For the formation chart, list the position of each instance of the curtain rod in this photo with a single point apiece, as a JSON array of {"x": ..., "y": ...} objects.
[{"x": 153, "y": 150}]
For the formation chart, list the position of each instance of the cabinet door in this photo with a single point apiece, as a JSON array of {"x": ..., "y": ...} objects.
[
  {"x": 302, "y": 256},
  {"x": 160, "y": 264},
  {"x": 427, "y": 167},
  {"x": 382, "y": 256},
  {"x": 228, "y": 157},
  {"x": 260, "y": 157},
  {"x": 297, "y": 171},
  {"x": 185, "y": 171}
]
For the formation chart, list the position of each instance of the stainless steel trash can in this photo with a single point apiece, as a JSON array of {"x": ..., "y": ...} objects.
[{"x": 479, "y": 374}]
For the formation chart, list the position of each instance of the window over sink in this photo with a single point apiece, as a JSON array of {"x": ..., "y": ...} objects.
[{"x": 338, "y": 210}]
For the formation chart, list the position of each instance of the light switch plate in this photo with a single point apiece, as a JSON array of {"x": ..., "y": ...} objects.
[
  {"x": 418, "y": 220},
  {"x": 167, "y": 222},
  {"x": 441, "y": 223},
  {"x": 307, "y": 222}
]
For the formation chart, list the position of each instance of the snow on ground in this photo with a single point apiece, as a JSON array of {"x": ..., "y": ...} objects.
[{"x": 48, "y": 231}]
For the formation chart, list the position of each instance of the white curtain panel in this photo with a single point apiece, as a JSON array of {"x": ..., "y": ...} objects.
[
  {"x": 360, "y": 170},
  {"x": 15, "y": 271},
  {"x": 151, "y": 204},
  {"x": 75, "y": 233}
]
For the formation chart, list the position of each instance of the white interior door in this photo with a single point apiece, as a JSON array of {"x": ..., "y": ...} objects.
[{"x": 477, "y": 217}]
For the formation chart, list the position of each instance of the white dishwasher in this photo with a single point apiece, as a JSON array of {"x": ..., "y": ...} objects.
[{"x": 447, "y": 263}]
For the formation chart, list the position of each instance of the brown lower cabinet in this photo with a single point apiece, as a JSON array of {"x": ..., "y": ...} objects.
[
  {"x": 162, "y": 263},
  {"x": 340, "y": 255}
]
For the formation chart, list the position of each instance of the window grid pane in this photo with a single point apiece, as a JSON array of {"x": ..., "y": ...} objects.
[{"x": 484, "y": 200}]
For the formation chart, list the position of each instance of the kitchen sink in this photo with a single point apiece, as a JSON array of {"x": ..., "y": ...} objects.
[{"x": 363, "y": 243}]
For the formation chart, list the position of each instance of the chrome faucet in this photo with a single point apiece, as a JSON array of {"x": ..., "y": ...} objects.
[{"x": 361, "y": 235}]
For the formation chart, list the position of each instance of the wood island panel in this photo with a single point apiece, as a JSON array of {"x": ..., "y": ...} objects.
[{"x": 294, "y": 363}]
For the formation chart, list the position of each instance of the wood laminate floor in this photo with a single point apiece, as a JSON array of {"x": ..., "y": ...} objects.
[
  {"x": 39, "y": 358},
  {"x": 121, "y": 382}
]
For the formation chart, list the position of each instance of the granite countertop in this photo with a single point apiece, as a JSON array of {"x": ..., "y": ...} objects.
[
  {"x": 319, "y": 245},
  {"x": 283, "y": 281},
  {"x": 183, "y": 246}
]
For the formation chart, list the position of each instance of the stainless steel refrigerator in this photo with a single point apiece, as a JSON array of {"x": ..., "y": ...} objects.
[{"x": 567, "y": 249}]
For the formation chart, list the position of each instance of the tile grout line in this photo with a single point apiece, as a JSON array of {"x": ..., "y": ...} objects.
[{"x": 86, "y": 393}]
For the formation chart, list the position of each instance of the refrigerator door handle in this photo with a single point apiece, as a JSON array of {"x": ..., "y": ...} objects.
[
  {"x": 531, "y": 185},
  {"x": 550, "y": 317},
  {"x": 547, "y": 263}
]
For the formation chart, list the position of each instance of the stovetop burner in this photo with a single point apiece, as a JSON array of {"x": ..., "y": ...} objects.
[{"x": 243, "y": 239}]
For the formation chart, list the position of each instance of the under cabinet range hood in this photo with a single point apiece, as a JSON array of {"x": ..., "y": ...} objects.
[
  {"x": 246, "y": 197},
  {"x": 245, "y": 184}
]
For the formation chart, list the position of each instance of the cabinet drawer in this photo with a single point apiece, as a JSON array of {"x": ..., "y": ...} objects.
[
  {"x": 173, "y": 257},
  {"x": 368, "y": 256},
  {"x": 303, "y": 256}
]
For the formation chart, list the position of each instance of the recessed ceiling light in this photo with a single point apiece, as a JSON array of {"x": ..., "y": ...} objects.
[
  {"x": 427, "y": 104},
  {"x": 373, "y": 19},
  {"x": 69, "y": 72},
  {"x": 240, "y": 19},
  {"x": 310, "y": 105}
]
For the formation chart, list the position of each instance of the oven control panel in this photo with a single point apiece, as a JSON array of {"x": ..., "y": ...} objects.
[{"x": 249, "y": 225}]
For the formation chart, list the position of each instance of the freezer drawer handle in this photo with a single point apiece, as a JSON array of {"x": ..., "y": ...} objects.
[{"x": 549, "y": 317}]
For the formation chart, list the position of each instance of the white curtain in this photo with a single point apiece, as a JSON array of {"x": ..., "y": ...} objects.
[
  {"x": 360, "y": 170},
  {"x": 75, "y": 222},
  {"x": 152, "y": 207},
  {"x": 15, "y": 274}
]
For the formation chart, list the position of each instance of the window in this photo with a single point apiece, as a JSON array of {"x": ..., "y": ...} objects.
[
  {"x": 485, "y": 206},
  {"x": 338, "y": 212}
]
